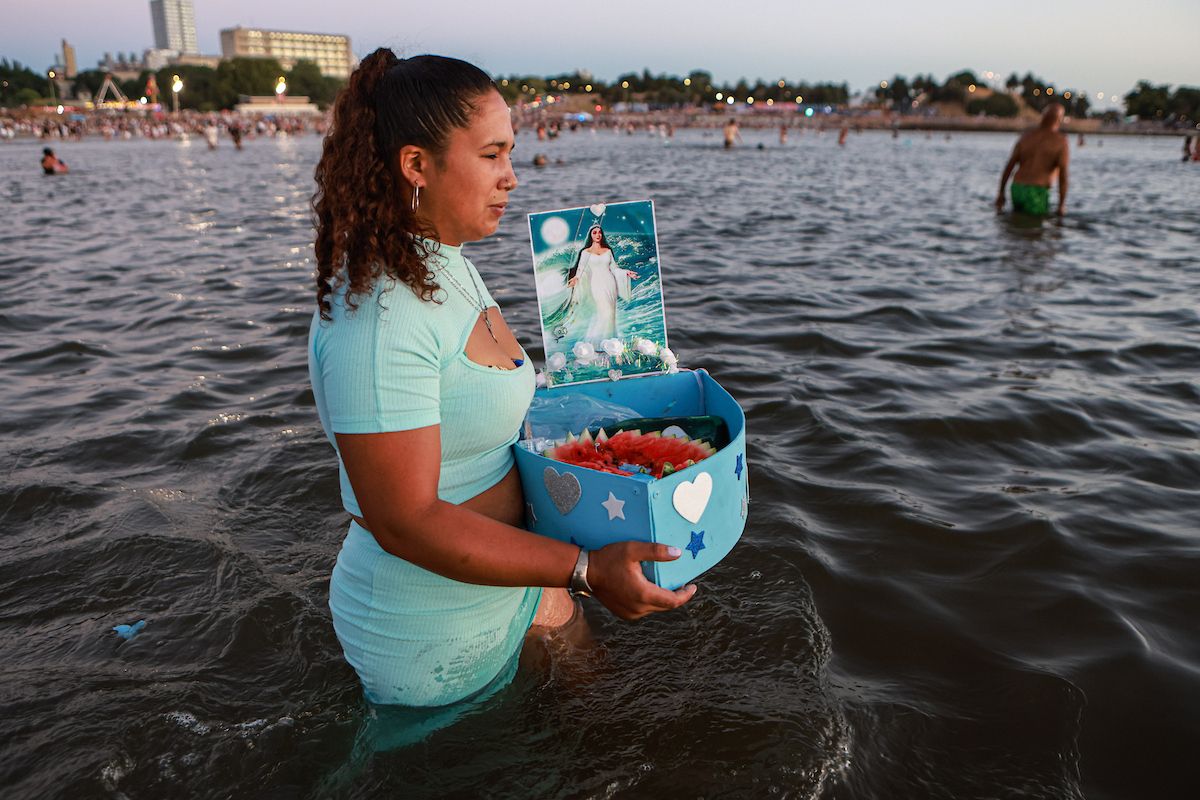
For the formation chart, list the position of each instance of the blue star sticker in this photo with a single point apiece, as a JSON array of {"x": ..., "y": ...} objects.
[
  {"x": 738, "y": 468},
  {"x": 697, "y": 543}
]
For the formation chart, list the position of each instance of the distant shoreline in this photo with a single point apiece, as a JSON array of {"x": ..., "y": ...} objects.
[
  {"x": 527, "y": 120},
  {"x": 796, "y": 122}
]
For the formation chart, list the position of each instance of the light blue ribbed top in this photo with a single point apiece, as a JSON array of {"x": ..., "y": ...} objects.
[{"x": 398, "y": 362}]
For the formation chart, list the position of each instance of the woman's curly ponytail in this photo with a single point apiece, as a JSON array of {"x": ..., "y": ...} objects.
[{"x": 364, "y": 227}]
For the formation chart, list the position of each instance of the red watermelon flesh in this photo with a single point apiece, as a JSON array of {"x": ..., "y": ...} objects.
[{"x": 650, "y": 450}]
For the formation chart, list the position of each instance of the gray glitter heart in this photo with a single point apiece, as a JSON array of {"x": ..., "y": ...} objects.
[{"x": 563, "y": 489}]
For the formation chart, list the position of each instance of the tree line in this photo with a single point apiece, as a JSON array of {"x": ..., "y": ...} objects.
[
  {"x": 977, "y": 97},
  {"x": 209, "y": 89},
  {"x": 1148, "y": 101},
  {"x": 204, "y": 88},
  {"x": 697, "y": 88}
]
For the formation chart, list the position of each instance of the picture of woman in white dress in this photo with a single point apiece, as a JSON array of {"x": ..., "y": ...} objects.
[
  {"x": 597, "y": 275},
  {"x": 601, "y": 304}
]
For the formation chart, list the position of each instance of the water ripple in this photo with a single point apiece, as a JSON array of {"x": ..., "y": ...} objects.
[{"x": 970, "y": 564}]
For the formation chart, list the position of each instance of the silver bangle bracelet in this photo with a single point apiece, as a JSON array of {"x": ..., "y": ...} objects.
[{"x": 579, "y": 583}]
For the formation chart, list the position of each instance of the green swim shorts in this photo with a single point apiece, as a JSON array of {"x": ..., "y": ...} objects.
[{"x": 1031, "y": 199}]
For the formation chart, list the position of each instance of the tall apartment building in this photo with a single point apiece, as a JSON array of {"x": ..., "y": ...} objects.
[
  {"x": 174, "y": 25},
  {"x": 330, "y": 52},
  {"x": 70, "y": 66}
]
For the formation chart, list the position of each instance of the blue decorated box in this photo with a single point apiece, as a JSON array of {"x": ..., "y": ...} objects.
[{"x": 700, "y": 509}]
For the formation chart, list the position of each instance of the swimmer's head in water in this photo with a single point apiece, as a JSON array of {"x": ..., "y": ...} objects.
[{"x": 46, "y": 151}]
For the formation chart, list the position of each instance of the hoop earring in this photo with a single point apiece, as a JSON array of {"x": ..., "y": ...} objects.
[{"x": 416, "y": 197}]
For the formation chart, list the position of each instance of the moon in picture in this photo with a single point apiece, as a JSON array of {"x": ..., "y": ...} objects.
[{"x": 555, "y": 231}]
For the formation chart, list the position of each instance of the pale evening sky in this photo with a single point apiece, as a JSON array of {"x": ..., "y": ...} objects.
[{"x": 1097, "y": 45}]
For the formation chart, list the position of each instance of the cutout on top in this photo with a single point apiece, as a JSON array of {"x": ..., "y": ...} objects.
[{"x": 501, "y": 353}]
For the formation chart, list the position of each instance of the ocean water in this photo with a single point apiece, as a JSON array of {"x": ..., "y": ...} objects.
[{"x": 971, "y": 563}]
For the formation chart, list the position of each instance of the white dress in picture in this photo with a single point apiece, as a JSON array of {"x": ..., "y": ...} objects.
[{"x": 608, "y": 282}]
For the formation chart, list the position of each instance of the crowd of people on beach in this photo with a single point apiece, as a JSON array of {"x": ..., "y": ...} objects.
[{"x": 119, "y": 126}]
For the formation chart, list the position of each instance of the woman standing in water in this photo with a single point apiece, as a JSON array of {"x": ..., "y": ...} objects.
[
  {"x": 606, "y": 281},
  {"x": 421, "y": 387}
]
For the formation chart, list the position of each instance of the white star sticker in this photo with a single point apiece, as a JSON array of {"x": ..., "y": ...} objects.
[{"x": 615, "y": 507}]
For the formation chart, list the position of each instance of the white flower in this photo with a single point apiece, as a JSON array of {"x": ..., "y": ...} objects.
[
  {"x": 556, "y": 362},
  {"x": 668, "y": 357},
  {"x": 614, "y": 347},
  {"x": 540, "y": 379},
  {"x": 646, "y": 347},
  {"x": 584, "y": 351}
]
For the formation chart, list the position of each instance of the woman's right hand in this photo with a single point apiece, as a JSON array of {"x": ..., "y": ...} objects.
[
  {"x": 571, "y": 283},
  {"x": 616, "y": 577}
]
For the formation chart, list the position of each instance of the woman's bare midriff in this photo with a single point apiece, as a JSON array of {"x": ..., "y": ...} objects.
[{"x": 505, "y": 502}]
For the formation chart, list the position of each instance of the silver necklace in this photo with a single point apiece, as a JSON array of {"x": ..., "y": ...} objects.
[{"x": 477, "y": 302}]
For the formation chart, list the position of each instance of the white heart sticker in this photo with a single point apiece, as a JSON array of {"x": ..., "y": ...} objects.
[
  {"x": 691, "y": 498},
  {"x": 598, "y": 209}
]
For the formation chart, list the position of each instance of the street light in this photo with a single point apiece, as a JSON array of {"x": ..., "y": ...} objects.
[
  {"x": 50, "y": 75},
  {"x": 280, "y": 89},
  {"x": 176, "y": 88}
]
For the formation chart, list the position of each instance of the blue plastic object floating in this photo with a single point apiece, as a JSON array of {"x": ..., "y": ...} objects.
[{"x": 127, "y": 632}]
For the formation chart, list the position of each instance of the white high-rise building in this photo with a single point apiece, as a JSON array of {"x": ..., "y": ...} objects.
[
  {"x": 174, "y": 25},
  {"x": 330, "y": 52}
]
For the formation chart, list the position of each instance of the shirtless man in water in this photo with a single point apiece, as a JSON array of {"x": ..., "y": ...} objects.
[
  {"x": 731, "y": 133},
  {"x": 1040, "y": 152}
]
